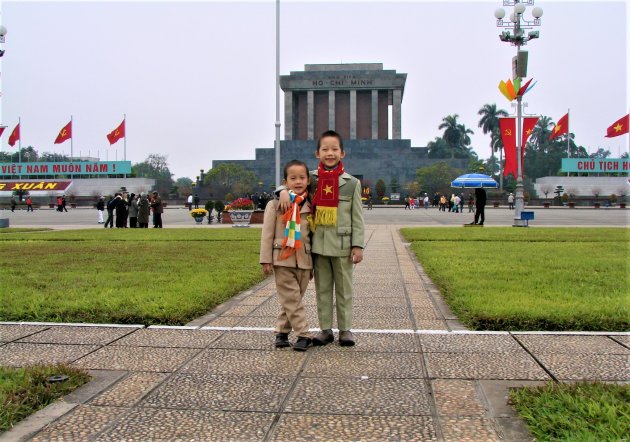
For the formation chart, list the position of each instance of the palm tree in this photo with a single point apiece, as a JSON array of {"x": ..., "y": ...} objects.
[
  {"x": 496, "y": 144},
  {"x": 464, "y": 139},
  {"x": 489, "y": 123},
  {"x": 452, "y": 133}
]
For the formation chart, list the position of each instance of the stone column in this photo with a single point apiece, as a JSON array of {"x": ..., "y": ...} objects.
[
  {"x": 353, "y": 114},
  {"x": 288, "y": 115},
  {"x": 310, "y": 115},
  {"x": 331, "y": 110},
  {"x": 374, "y": 114},
  {"x": 396, "y": 126}
]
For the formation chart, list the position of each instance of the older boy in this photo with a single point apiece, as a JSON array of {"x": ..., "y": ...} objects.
[{"x": 338, "y": 237}]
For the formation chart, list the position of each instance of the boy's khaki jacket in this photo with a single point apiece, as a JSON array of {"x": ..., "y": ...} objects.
[
  {"x": 273, "y": 234},
  {"x": 350, "y": 229}
]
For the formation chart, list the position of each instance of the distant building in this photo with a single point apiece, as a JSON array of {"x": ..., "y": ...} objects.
[{"x": 354, "y": 100}]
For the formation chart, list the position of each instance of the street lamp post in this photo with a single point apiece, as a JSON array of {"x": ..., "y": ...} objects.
[{"x": 518, "y": 38}]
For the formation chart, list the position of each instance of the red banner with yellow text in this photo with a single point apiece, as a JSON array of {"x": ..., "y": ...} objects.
[{"x": 34, "y": 186}]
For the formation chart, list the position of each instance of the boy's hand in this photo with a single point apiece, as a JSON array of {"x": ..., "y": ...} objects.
[
  {"x": 356, "y": 256},
  {"x": 267, "y": 268},
  {"x": 284, "y": 201}
]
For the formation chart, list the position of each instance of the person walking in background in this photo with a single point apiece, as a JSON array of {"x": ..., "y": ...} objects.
[
  {"x": 471, "y": 203},
  {"x": 511, "y": 201},
  {"x": 480, "y": 206},
  {"x": 100, "y": 207},
  {"x": 196, "y": 201},
  {"x": 63, "y": 203},
  {"x": 156, "y": 205},
  {"x": 144, "y": 211},
  {"x": 13, "y": 204},
  {"x": 29, "y": 204},
  {"x": 461, "y": 203},
  {"x": 59, "y": 204},
  {"x": 133, "y": 211},
  {"x": 189, "y": 201},
  {"x": 111, "y": 205},
  {"x": 285, "y": 251},
  {"x": 121, "y": 211}
]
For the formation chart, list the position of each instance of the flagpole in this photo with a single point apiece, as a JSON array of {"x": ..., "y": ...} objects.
[
  {"x": 568, "y": 136},
  {"x": 125, "y": 145},
  {"x": 20, "y": 143},
  {"x": 71, "y": 145}
]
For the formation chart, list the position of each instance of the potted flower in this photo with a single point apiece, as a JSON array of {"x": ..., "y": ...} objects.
[
  {"x": 385, "y": 200},
  {"x": 240, "y": 211},
  {"x": 198, "y": 214}
]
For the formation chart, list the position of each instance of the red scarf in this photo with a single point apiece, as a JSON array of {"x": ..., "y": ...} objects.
[{"x": 326, "y": 198}]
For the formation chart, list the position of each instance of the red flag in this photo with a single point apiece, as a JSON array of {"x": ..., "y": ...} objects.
[
  {"x": 15, "y": 135},
  {"x": 117, "y": 133},
  {"x": 619, "y": 127},
  {"x": 65, "y": 133},
  {"x": 508, "y": 136},
  {"x": 2, "y": 128},
  {"x": 562, "y": 127}
]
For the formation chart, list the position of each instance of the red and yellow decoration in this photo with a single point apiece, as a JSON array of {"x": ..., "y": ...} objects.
[
  {"x": 513, "y": 90},
  {"x": 619, "y": 127},
  {"x": 326, "y": 198}
]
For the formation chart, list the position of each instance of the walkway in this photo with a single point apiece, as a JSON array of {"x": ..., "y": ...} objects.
[{"x": 415, "y": 373}]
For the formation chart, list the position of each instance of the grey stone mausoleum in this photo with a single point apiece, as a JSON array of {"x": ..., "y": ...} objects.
[{"x": 354, "y": 100}]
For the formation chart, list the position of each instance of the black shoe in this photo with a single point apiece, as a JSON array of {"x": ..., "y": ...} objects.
[
  {"x": 324, "y": 337},
  {"x": 302, "y": 344},
  {"x": 282, "y": 340},
  {"x": 346, "y": 338}
]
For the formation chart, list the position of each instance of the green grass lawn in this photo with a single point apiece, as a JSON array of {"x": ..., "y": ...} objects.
[
  {"x": 26, "y": 390},
  {"x": 144, "y": 276},
  {"x": 530, "y": 279},
  {"x": 576, "y": 412}
]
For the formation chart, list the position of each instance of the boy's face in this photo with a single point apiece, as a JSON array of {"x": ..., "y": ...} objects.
[
  {"x": 297, "y": 179},
  {"x": 329, "y": 152}
]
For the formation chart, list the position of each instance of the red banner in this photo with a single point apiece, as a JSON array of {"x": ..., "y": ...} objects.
[
  {"x": 619, "y": 127},
  {"x": 508, "y": 135},
  {"x": 64, "y": 134},
  {"x": 117, "y": 133},
  {"x": 34, "y": 186},
  {"x": 562, "y": 127}
]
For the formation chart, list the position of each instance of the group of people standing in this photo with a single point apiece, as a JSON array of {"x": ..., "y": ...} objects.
[{"x": 128, "y": 210}]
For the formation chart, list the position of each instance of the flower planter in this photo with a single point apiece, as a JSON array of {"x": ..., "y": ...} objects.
[
  {"x": 51, "y": 205},
  {"x": 240, "y": 218},
  {"x": 597, "y": 205},
  {"x": 198, "y": 219},
  {"x": 495, "y": 204},
  {"x": 546, "y": 205},
  {"x": 622, "y": 205},
  {"x": 571, "y": 205}
]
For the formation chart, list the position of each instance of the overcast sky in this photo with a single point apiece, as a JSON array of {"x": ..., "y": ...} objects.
[{"x": 197, "y": 79}]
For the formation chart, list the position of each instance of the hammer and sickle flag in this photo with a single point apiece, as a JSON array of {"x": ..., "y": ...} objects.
[
  {"x": 508, "y": 136},
  {"x": 117, "y": 133},
  {"x": 65, "y": 133}
]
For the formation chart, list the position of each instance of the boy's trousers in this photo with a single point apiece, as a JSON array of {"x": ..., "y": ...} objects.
[
  {"x": 333, "y": 273},
  {"x": 291, "y": 284}
]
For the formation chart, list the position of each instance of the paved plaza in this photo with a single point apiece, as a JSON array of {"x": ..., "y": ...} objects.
[{"x": 416, "y": 373}]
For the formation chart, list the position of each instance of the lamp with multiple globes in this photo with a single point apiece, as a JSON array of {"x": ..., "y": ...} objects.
[{"x": 518, "y": 38}]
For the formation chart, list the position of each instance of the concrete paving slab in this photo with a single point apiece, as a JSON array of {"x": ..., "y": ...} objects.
[
  {"x": 360, "y": 364},
  {"x": 221, "y": 393},
  {"x": 469, "y": 343},
  {"x": 350, "y": 428},
  {"x": 12, "y": 332},
  {"x": 584, "y": 366},
  {"x": 379, "y": 397},
  {"x": 78, "y": 335},
  {"x": 136, "y": 359},
  {"x": 246, "y": 362},
  {"x": 81, "y": 424},
  {"x": 464, "y": 429},
  {"x": 168, "y": 424},
  {"x": 571, "y": 344},
  {"x": 483, "y": 366},
  {"x": 23, "y": 354},
  {"x": 376, "y": 342},
  {"x": 457, "y": 398},
  {"x": 129, "y": 391},
  {"x": 164, "y": 337},
  {"x": 246, "y": 340}
]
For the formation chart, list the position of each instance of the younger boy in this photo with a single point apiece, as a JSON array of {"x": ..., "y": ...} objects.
[
  {"x": 285, "y": 249},
  {"x": 337, "y": 238}
]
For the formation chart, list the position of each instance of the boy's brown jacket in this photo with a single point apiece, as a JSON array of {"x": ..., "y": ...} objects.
[{"x": 273, "y": 234}]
